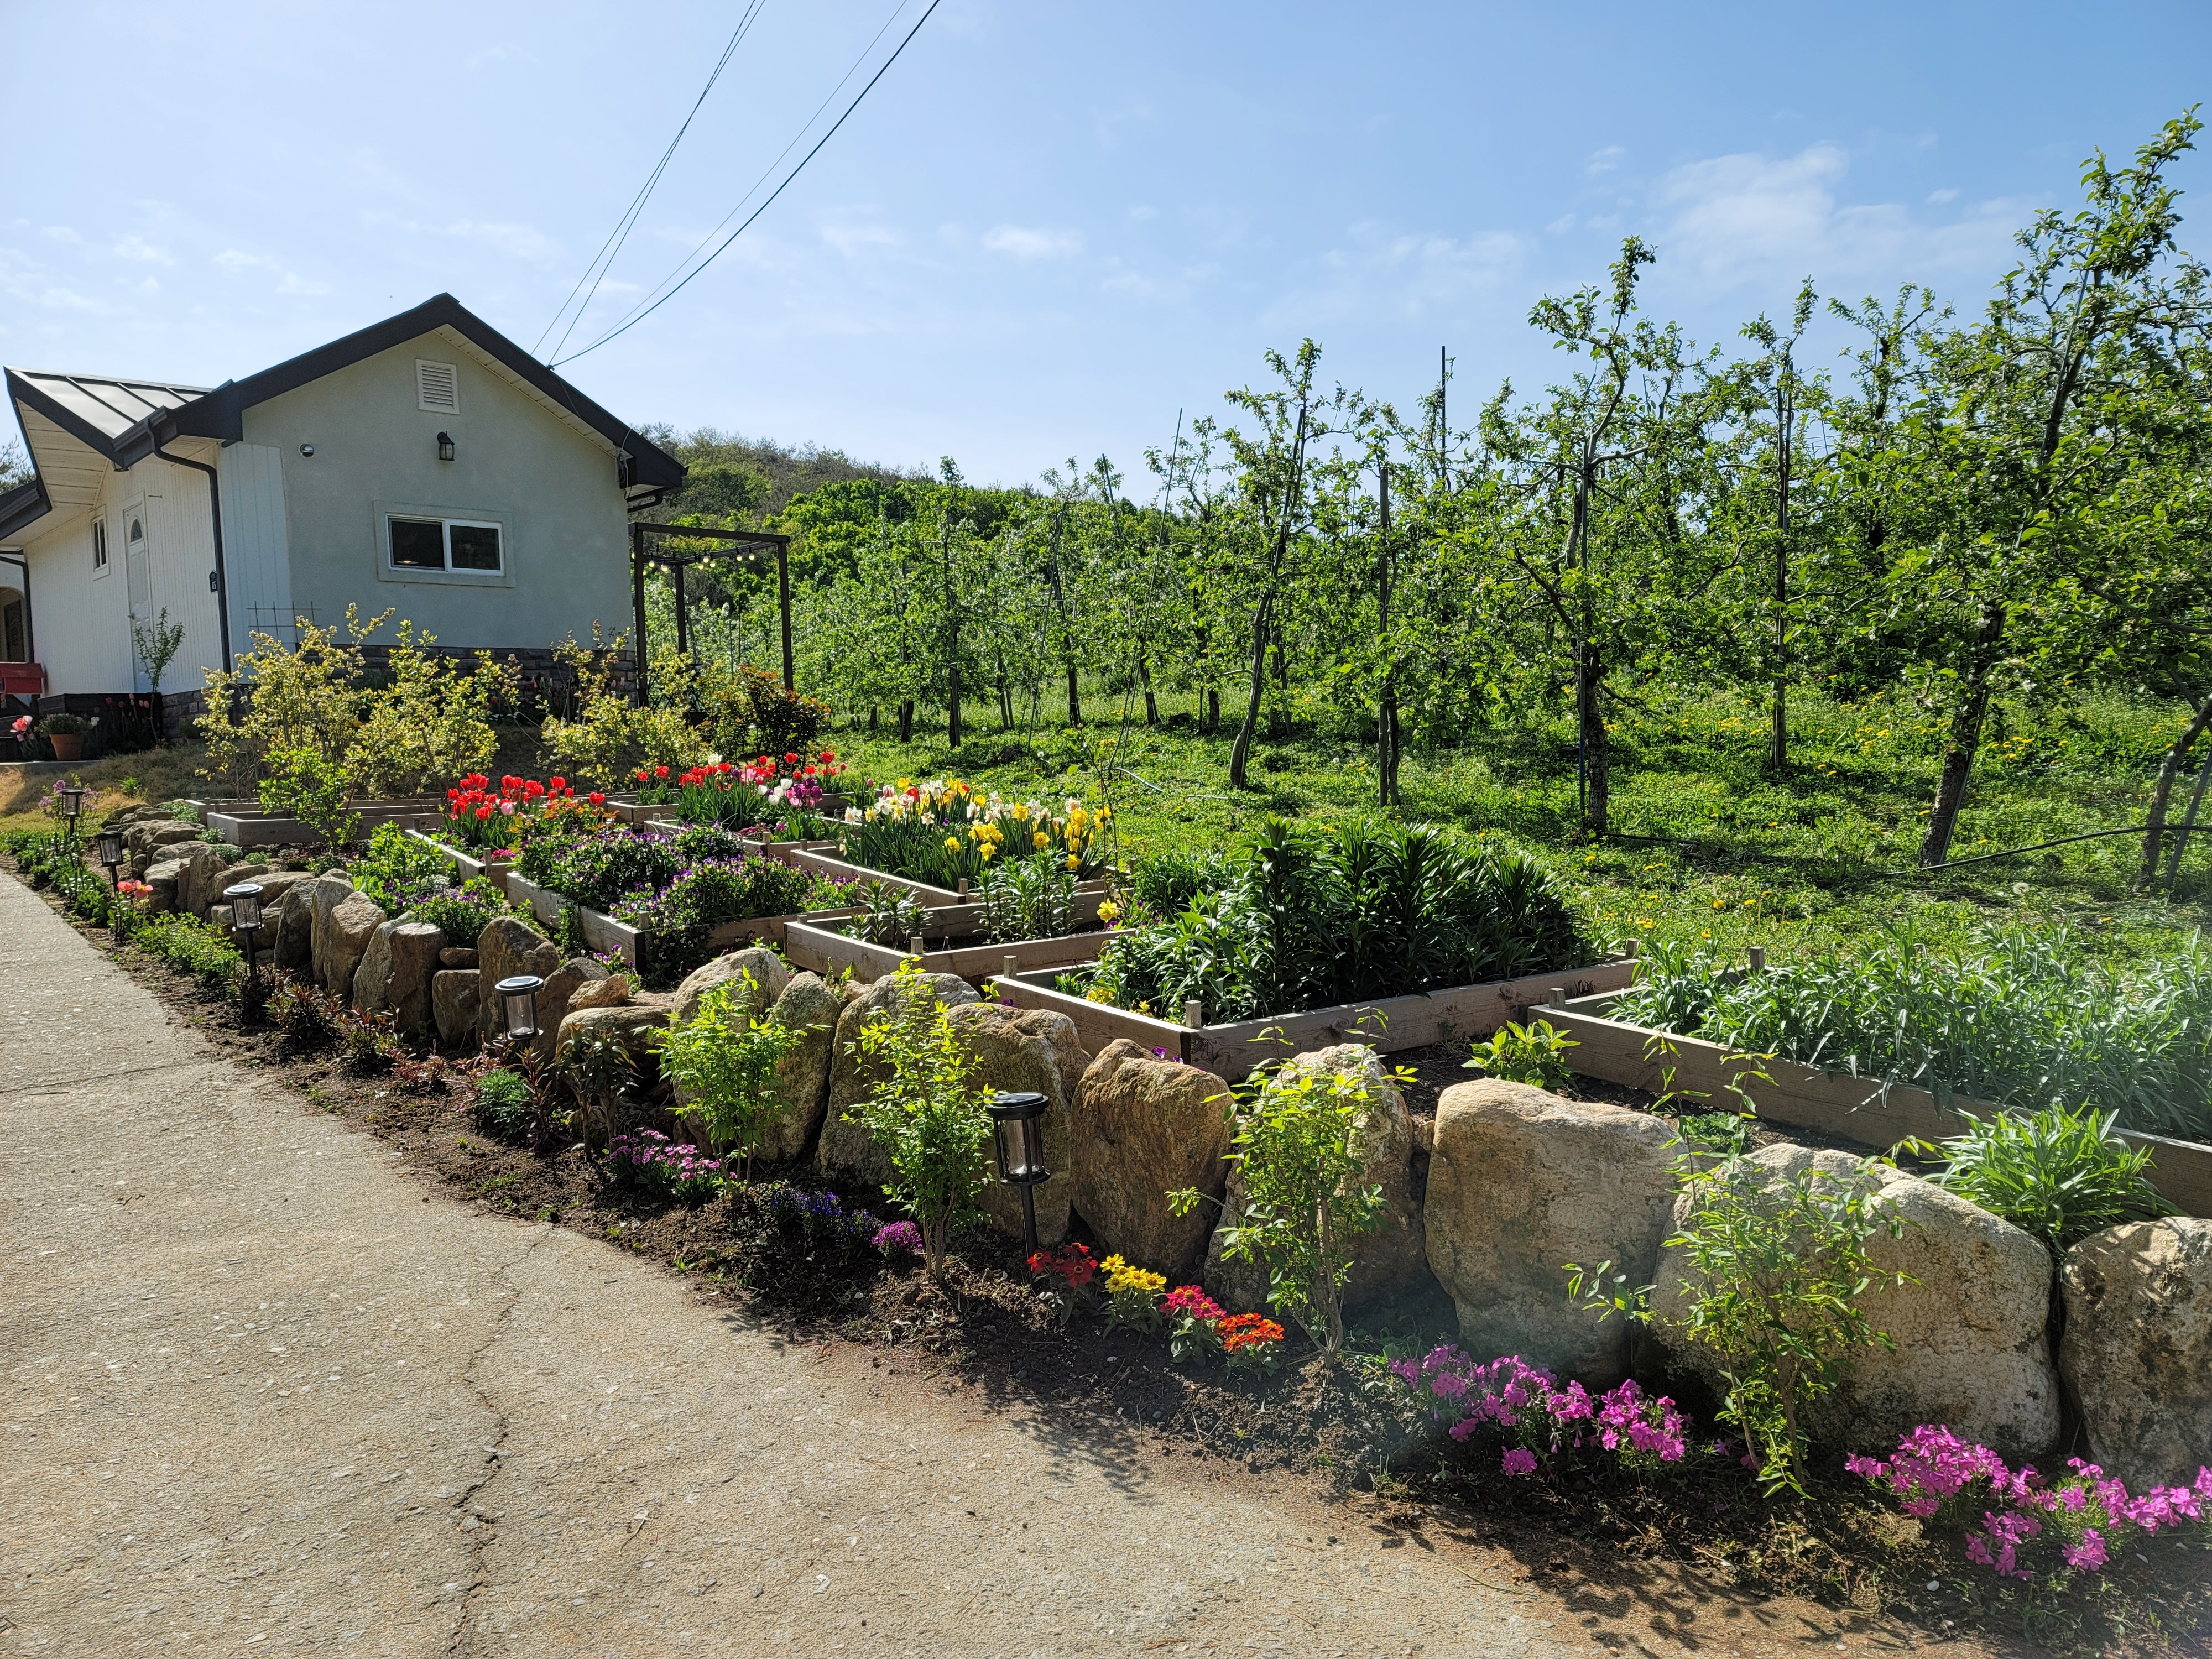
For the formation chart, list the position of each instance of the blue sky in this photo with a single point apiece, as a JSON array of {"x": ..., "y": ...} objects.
[{"x": 1050, "y": 226}]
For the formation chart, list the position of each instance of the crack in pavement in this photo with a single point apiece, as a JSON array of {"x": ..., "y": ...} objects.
[{"x": 473, "y": 1538}]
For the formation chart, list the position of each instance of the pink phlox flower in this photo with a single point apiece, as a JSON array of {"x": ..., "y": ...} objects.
[
  {"x": 1519, "y": 1459},
  {"x": 2088, "y": 1555}
]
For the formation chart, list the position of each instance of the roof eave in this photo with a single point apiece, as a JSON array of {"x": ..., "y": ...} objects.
[{"x": 24, "y": 505}]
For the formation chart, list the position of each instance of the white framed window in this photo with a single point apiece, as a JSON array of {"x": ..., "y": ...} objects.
[
  {"x": 99, "y": 546},
  {"x": 460, "y": 546},
  {"x": 437, "y": 387}
]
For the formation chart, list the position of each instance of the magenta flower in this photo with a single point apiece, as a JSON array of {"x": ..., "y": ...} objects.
[{"x": 1519, "y": 1459}]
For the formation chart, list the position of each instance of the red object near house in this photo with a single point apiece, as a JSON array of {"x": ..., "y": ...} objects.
[{"x": 22, "y": 679}]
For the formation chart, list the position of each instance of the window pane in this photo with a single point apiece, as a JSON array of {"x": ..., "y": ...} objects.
[
  {"x": 476, "y": 546},
  {"x": 418, "y": 544}
]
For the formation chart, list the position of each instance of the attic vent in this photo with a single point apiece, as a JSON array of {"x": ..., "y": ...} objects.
[{"x": 437, "y": 387}]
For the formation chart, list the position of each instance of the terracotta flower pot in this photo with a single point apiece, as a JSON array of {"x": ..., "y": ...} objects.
[{"x": 67, "y": 746}]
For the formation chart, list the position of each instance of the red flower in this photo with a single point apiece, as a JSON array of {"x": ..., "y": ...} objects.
[
  {"x": 560, "y": 783},
  {"x": 596, "y": 798},
  {"x": 660, "y": 771},
  {"x": 483, "y": 812},
  {"x": 1247, "y": 1330}
]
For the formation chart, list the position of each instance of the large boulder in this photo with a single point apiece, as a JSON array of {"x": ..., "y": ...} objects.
[
  {"x": 453, "y": 1006},
  {"x": 609, "y": 992},
  {"x": 632, "y": 1022},
  {"x": 847, "y": 1151},
  {"x": 163, "y": 876},
  {"x": 504, "y": 949},
  {"x": 199, "y": 883},
  {"x": 811, "y": 1007},
  {"x": 1035, "y": 1051},
  {"x": 771, "y": 973},
  {"x": 2138, "y": 1351},
  {"x": 328, "y": 891},
  {"x": 561, "y": 985},
  {"x": 1143, "y": 1127},
  {"x": 1387, "y": 1263},
  {"x": 352, "y": 924},
  {"x": 276, "y": 885},
  {"x": 1520, "y": 1183},
  {"x": 1969, "y": 1324},
  {"x": 395, "y": 973},
  {"x": 143, "y": 837}
]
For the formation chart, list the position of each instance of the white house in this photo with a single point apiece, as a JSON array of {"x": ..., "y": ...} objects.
[{"x": 428, "y": 464}]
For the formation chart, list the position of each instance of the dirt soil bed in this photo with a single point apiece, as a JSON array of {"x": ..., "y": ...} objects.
[{"x": 1704, "y": 1529}]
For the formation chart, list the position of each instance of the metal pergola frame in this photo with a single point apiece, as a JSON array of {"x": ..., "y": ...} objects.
[{"x": 742, "y": 542}]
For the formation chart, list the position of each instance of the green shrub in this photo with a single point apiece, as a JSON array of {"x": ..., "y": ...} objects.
[
  {"x": 928, "y": 1114},
  {"x": 462, "y": 913},
  {"x": 191, "y": 944},
  {"x": 396, "y": 869},
  {"x": 506, "y": 1104},
  {"x": 1294, "y": 1139},
  {"x": 2059, "y": 1175},
  {"x": 724, "y": 1062},
  {"x": 1165, "y": 884},
  {"x": 1535, "y": 1054},
  {"x": 1308, "y": 920}
]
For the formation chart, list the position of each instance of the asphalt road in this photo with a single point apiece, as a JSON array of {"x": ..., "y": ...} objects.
[{"x": 265, "y": 1395}]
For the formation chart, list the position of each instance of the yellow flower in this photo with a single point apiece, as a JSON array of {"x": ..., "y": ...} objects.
[
  {"x": 952, "y": 843},
  {"x": 1098, "y": 993},
  {"x": 987, "y": 850},
  {"x": 1073, "y": 862},
  {"x": 1104, "y": 813},
  {"x": 1109, "y": 912},
  {"x": 1040, "y": 841},
  {"x": 1112, "y": 1264},
  {"x": 1021, "y": 811}
]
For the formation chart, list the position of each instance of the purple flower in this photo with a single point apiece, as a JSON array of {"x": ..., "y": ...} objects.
[
  {"x": 1519, "y": 1459},
  {"x": 899, "y": 1236}
]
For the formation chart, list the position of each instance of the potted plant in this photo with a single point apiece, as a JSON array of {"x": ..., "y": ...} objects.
[{"x": 66, "y": 733}]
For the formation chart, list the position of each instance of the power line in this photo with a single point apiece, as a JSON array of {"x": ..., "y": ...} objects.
[
  {"x": 602, "y": 261},
  {"x": 639, "y": 316}
]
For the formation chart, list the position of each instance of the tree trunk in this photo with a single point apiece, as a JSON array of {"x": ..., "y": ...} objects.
[
  {"x": 874, "y": 711},
  {"x": 1241, "y": 752},
  {"x": 2177, "y": 753},
  {"x": 2188, "y": 823},
  {"x": 906, "y": 721},
  {"x": 1145, "y": 675},
  {"x": 1213, "y": 709},
  {"x": 1780, "y": 757},
  {"x": 1074, "y": 697},
  {"x": 1966, "y": 738},
  {"x": 1597, "y": 768}
]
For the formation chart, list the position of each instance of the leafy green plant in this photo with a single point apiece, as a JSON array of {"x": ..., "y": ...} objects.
[
  {"x": 156, "y": 644},
  {"x": 928, "y": 1114},
  {"x": 461, "y": 912},
  {"x": 1535, "y": 1054},
  {"x": 2059, "y": 1175},
  {"x": 724, "y": 1061},
  {"x": 395, "y": 870},
  {"x": 1308, "y": 920},
  {"x": 1774, "y": 1267},
  {"x": 2026, "y": 1018},
  {"x": 598, "y": 1068},
  {"x": 1027, "y": 898},
  {"x": 1294, "y": 1139},
  {"x": 306, "y": 1014},
  {"x": 506, "y": 1104},
  {"x": 1720, "y": 1132},
  {"x": 191, "y": 944},
  {"x": 313, "y": 791},
  {"x": 888, "y": 914},
  {"x": 1164, "y": 885}
]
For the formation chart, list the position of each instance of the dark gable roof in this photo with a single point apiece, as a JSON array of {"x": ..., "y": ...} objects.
[
  {"x": 220, "y": 413},
  {"x": 24, "y": 504}
]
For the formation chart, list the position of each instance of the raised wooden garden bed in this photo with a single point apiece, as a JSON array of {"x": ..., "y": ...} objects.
[
  {"x": 808, "y": 856},
  {"x": 603, "y": 932},
  {"x": 244, "y": 824},
  {"x": 820, "y": 946},
  {"x": 1800, "y": 1096},
  {"x": 1232, "y": 1051}
]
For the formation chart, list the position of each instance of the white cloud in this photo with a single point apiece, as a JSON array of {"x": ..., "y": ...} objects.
[
  {"x": 136, "y": 247},
  {"x": 1564, "y": 223},
  {"x": 1744, "y": 217},
  {"x": 1604, "y": 161},
  {"x": 288, "y": 281},
  {"x": 523, "y": 242},
  {"x": 1937, "y": 198},
  {"x": 849, "y": 239},
  {"x": 60, "y": 233},
  {"x": 1410, "y": 273},
  {"x": 1024, "y": 243}
]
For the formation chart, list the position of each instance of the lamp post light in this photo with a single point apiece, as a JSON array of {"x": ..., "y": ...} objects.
[
  {"x": 107, "y": 848},
  {"x": 245, "y": 902},
  {"x": 518, "y": 995},
  {"x": 72, "y": 796},
  {"x": 1017, "y": 1140}
]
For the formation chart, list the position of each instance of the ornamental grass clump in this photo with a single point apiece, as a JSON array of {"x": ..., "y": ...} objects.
[
  {"x": 928, "y": 1114},
  {"x": 1295, "y": 1136},
  {"x": 724, "y": 1063},
  {"x": 1538, "y": 1421},
  {"x": 2022, "y": 1525},
  {"x": 1307, "y": 918},
  {"x": 2023, "y": 1018}
]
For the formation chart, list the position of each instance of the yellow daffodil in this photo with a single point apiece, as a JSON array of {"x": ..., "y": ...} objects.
[
  {"x": 1021, "y": 811},
  {"x": 952, "y": 843},
  {"x": 987, "y": 850},
  {"x": 1040, "y": 841},
  {"x": 1109, "y": 912},
  {"x": 1073, "y": 862}
]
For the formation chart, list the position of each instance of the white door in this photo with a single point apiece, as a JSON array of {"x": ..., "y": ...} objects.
[{"x": 136, "y": 521}]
